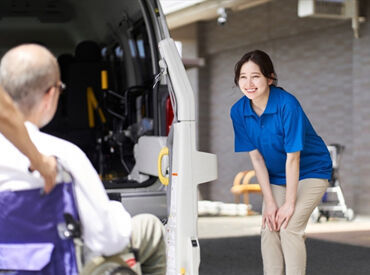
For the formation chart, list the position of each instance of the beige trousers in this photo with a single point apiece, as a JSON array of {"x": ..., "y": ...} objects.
[
  {"x": 286, "y": 250},
  {"x": 148, "y": 239}
]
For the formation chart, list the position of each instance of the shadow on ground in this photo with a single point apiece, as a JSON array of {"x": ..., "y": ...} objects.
[{"x": 229, "y": 256}]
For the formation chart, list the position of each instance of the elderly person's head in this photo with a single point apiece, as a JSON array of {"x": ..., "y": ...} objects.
[{"x": 30, "y": 74}]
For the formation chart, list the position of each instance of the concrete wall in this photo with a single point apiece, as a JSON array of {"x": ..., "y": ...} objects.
[
  {"x": 317, "y": 60},
  {"x": 360, "y": 182}
]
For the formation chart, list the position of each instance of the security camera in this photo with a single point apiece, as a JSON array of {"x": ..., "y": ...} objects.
[{"x": 222, "y": 16}]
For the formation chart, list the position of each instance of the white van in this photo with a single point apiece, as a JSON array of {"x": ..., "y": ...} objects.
[{"x": 126, "y": 86}]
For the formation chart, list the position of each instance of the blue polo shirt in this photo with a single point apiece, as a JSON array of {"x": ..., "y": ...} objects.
[{"x": 282, "y": 128}]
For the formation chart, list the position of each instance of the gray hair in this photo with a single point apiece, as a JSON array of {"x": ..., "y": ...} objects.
[{"x": 26, "y": 73}]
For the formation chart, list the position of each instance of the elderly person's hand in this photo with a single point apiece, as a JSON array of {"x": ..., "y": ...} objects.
[{"x": 47, "y": 167}]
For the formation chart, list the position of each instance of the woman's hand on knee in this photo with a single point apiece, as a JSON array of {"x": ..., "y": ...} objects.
[
  {"x": 269, "y": 216},
  {"x": 283, "y": 215}
]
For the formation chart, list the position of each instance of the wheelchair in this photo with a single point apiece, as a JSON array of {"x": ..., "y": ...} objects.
[
  {"x": 41, "y": 235},
  {"x": 333, "y": 203}
]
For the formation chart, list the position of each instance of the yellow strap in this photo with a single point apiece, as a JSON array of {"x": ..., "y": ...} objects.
[
  {"x": 92, "y": 104},
  {"x": 102, "y": 117},
  {"x": 90, "y": 107}
]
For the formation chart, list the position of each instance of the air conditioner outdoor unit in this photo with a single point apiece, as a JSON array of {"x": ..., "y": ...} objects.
[{"x": 335, "y": 9}]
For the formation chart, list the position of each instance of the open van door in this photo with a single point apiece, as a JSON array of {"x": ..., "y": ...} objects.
[{"x": 188, "y": 167}]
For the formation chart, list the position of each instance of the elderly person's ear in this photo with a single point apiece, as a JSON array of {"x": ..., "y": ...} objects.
[{"x": 47, "y": 98}]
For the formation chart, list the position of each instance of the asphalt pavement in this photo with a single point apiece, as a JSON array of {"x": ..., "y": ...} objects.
[{"x": 231, "y": 245}]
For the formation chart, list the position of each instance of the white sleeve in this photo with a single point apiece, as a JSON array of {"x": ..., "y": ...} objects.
[{"x": 106, "y": 225}]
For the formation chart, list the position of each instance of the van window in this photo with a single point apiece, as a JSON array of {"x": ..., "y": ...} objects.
[{"x": 106, "y": 61}]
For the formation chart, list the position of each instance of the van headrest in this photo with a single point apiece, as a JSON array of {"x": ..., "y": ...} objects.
[
  {"x": 88, "y": 51},
  {"x": 65, "y": 59}
]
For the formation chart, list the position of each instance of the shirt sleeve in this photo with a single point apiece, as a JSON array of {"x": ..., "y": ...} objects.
[
  {"x": 294, "y": 128},
  {"x": 106, "y": 223},
  {"x": 242, "y": 142}
]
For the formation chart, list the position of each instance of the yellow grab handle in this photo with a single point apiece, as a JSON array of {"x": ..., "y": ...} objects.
[
  {"x": 104, "y": 80},
  {"x": 164, "y": 180}
]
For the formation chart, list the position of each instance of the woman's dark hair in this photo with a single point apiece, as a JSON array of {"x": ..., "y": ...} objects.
[{"x": 261, "y": 59}]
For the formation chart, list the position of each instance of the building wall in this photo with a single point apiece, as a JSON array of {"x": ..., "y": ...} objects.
[
  {"x": 361, "y": 121},
  {"x": 318, "y": 60}
]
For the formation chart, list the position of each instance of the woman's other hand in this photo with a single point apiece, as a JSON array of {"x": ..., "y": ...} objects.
[{"x": 283, "y": 215}]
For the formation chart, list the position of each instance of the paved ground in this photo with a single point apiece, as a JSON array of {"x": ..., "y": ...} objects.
[
  {"x": 356, "y": 232},
  {"x": 231, "y": 245},
  {"x": 241, "y": 255}
]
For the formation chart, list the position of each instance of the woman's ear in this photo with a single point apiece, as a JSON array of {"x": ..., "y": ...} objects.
[{"x": 271, "y": 79}]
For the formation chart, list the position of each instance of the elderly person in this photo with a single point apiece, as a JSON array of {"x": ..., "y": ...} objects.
[{"x": 30, "y": 74}]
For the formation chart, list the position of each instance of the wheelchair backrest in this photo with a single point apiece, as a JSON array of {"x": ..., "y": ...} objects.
[{"x": 34, "y": 236}]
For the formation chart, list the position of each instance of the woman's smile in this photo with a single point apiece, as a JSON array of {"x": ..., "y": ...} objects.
[{"x": 250, "y": 91}]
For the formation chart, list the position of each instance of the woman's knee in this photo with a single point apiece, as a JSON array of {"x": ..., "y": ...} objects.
[
  {"x": 292, "y": 235},
  {"x": 268, "y": 236}
]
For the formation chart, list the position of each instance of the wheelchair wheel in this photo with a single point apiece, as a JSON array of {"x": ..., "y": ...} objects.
[
  {"x": 110, "y": 268},
  {"x": 107, "y": 266},
  {"x": 315, "y": 216},
  {"x": 349, "y": 215}
]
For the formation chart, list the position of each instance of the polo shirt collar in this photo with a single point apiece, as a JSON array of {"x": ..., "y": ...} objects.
[
  {"x": 272, "y": 103},
  {"x": 271, "y": 107}
]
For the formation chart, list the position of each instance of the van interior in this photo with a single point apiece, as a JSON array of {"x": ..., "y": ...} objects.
[{"x": 108, "y": 58}]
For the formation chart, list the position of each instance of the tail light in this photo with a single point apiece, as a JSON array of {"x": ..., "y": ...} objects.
[{"x": 169, "y": 115}]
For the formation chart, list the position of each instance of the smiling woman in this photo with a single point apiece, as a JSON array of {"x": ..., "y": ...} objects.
[{"x": 291, "y": 161}]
